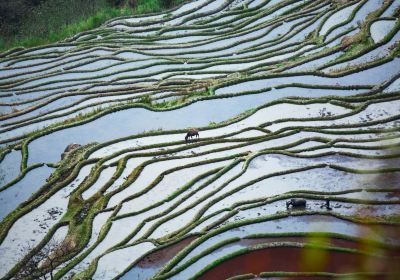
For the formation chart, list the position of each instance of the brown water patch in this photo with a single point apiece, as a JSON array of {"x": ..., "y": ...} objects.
[
  {"x": 162, "y": 256},
  {"x": 326, "y": 241},
  {"x": 379, "y": 277},
  {"x": 336, "y": 242},
  {"x": 297, "y": 260}
]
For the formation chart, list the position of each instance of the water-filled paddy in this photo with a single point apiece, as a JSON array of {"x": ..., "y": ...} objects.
[
  {"x": 143, "y": 202},
  {"x": 137, "y": 120}
]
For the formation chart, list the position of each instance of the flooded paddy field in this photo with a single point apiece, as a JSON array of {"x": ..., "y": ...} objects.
[{"x": 295, "y": 171}]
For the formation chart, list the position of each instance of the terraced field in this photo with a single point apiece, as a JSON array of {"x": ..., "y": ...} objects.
[{"x": 292, "y": 99}]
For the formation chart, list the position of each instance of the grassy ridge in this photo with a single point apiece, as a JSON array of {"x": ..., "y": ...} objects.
[{"x": 56, "y": 20}]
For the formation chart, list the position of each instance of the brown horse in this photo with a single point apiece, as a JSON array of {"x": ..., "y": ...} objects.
[{"x": 193, "y": 132}]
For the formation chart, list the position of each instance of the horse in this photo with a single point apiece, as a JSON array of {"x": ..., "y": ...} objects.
[
  {"x": 193, "y": 132},
  {"x": 296, "y": 203}
]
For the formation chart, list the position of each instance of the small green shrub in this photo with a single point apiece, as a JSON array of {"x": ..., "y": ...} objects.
[{"x": 146, "y": 99}]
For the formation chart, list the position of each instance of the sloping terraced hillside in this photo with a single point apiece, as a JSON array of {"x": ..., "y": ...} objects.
[{"x": 293, "y": 99}]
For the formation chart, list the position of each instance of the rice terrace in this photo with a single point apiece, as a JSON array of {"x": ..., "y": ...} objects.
[{"x": 218, "y": 139}]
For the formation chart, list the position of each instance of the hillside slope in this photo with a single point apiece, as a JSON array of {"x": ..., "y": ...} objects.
[{"x": 292, "y": 99}]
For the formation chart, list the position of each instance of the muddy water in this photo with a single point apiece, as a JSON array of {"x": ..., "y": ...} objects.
[
  {"x": 294, "y": 258},
  {"x": 150, "y": 264}
]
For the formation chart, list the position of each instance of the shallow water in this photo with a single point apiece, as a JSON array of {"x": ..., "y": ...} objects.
[
  {"x": 391, "y": 9},
  {"x": 108, "y": 268},
  {"x": 10, "y": 167},
  {"x": 315, "y": 223},
  {"x": 379, "y": 29},
  {"x": 373, "y": 55},
  {"x": 338, "y": 17},
  {"x": 104, "y": 177},
  {"x": 21, "y": 191},
  {"x": 369, "y": 7},
  {"x": 185, "y": 53},
  {"x": 370, "y": 76},
  {"x": 124, "y": 123}
]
